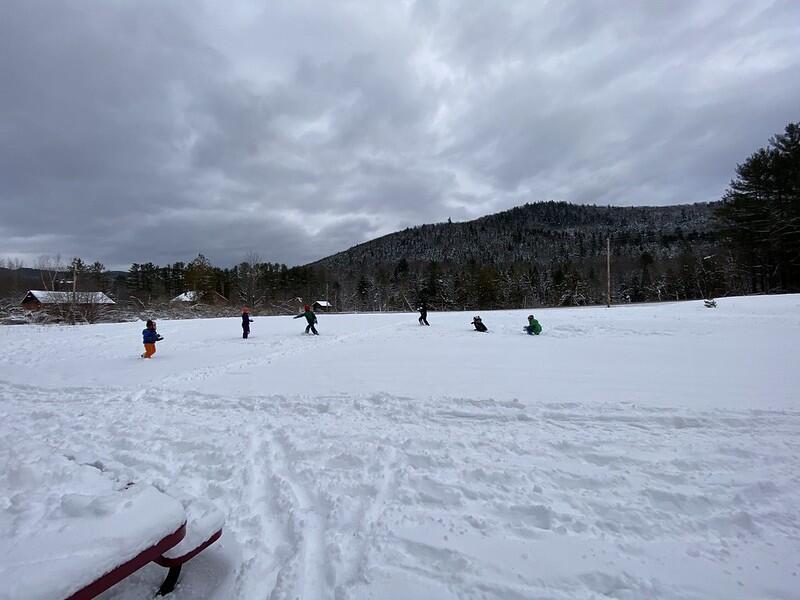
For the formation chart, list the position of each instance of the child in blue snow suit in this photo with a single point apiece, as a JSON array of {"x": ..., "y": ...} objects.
[{"x": 149, "y": 338}]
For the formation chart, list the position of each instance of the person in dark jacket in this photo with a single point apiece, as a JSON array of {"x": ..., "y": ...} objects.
[
  {"x": 479, "y": 326},
  {"x": 310, "y": 317},
  {"x": 246, "y": 320},
  {"x": 149, "y": 338},
  {"x": 423, "y": 313},
  {"x": 533, "y": 327}
]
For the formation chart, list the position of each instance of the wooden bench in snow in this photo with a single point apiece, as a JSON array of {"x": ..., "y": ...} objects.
[{"x": 97, "y": 541}]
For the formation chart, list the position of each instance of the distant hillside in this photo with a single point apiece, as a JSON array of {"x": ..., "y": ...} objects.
[
  {"x": 544, "y": 254},
  {"x": 540, "y": 233}
]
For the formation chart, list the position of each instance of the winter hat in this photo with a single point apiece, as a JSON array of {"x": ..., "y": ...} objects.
[{"x": 306, "y": 307}]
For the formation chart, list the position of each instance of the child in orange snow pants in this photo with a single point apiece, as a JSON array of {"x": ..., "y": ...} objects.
[{"x": 149, "y": 338}]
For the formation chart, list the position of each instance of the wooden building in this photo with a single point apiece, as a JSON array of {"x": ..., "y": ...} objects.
[
  {"x": 322, "y": 306},
  {"x": 39, "y": 299}
]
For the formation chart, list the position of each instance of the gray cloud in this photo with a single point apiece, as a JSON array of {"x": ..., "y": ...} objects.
[{"x": 151, "y": 131}]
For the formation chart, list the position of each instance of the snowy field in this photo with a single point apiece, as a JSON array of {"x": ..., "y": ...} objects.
[{"x": 639, "y": 452}]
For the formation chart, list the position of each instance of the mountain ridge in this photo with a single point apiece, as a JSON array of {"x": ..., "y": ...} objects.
[{"x": 504, "y": 237}]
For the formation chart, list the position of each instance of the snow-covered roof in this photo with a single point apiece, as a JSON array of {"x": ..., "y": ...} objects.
[
  {"x": 187, "y": 297},
  {"x": 324, "y": 303},
  {"x": 48, "y": 297}
]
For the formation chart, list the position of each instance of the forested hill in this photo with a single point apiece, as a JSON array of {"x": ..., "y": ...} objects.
[
  {"x": 541, "y": 233},
  {"x": 537, "y": 254},
  {"x": 549, "y": 253}
]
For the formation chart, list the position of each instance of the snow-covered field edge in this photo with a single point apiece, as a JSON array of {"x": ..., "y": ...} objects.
[{"x": 641, "y": 452}]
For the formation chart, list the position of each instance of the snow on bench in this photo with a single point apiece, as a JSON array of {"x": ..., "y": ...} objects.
[
  {"x": 90, "y": 540},
  {"x": 65, "y": 532}
]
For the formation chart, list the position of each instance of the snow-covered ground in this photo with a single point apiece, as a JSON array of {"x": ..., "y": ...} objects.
[{"x": 639, "y": 452}]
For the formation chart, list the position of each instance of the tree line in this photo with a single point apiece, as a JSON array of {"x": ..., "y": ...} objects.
[{"x": 542, "y": 254}]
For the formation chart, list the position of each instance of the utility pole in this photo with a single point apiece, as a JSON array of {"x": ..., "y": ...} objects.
[
  {"x": 74, "y": 290},
  {"x": 608, "y": 272}
]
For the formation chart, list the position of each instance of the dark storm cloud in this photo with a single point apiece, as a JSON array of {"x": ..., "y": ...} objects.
[{"x": 151, "y": 131}]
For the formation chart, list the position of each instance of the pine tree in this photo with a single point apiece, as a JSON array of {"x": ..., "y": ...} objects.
[{"x": 760, "y": 215}]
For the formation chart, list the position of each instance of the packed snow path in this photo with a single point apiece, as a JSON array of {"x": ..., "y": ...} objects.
[{"x": 639, "y": 452}]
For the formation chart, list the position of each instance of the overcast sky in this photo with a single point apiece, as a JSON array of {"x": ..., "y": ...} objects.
[{"x": 135, "y": 131}]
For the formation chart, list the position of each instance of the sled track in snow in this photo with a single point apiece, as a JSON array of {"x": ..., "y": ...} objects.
[
  {"x": 304, "y": 573},
  {"x": 320, "y": 342},
  {"x": 264, "y": 530},
  {"x": 608, "y": 486}
]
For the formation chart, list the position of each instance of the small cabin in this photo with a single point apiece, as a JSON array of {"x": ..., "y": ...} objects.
[
  {"x": 322, "y": 306},
  {"x": 39, "y": 299}
]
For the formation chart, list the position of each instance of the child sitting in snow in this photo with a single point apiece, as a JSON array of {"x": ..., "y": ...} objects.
[
  {"x": 479, "y": 326},
  {"x": 150, "y": 337},
  {"x": 533, "y": 327}
]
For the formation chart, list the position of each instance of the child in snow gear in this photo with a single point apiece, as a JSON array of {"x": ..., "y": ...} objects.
[
  {"x": 246, "y": 320},
  {"x": 150, "y": 337},
  {"x": 423, "y": 314},
  {"x": 533, "y": 327},
  {"x": 310, "y": 317},
  {"x": 479, "y": 326}
]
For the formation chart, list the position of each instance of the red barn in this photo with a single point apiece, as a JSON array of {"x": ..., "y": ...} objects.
[{"x": 38, "y": 299}]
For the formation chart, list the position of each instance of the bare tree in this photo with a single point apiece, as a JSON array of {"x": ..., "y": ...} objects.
[
  {"x": 90, "y": 307},
  {"x": 50, "y": 267},
  {"x": 249, "y": 274}
]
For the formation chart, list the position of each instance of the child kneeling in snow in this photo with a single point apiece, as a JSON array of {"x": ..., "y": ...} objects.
[
  {"x": 533, "y": 327},
  {"x": 479, "y": 326},
  {"x": 150, "y": 337}
]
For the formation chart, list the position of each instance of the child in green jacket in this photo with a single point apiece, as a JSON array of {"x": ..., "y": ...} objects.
[
  {"x": 533, "y": 327},
  {"x": 310, "y": 317}
]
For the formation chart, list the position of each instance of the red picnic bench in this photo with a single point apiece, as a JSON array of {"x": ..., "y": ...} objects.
[
  {"x": 105, "y": 539},
  {"x": 204, "y": 528}
]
